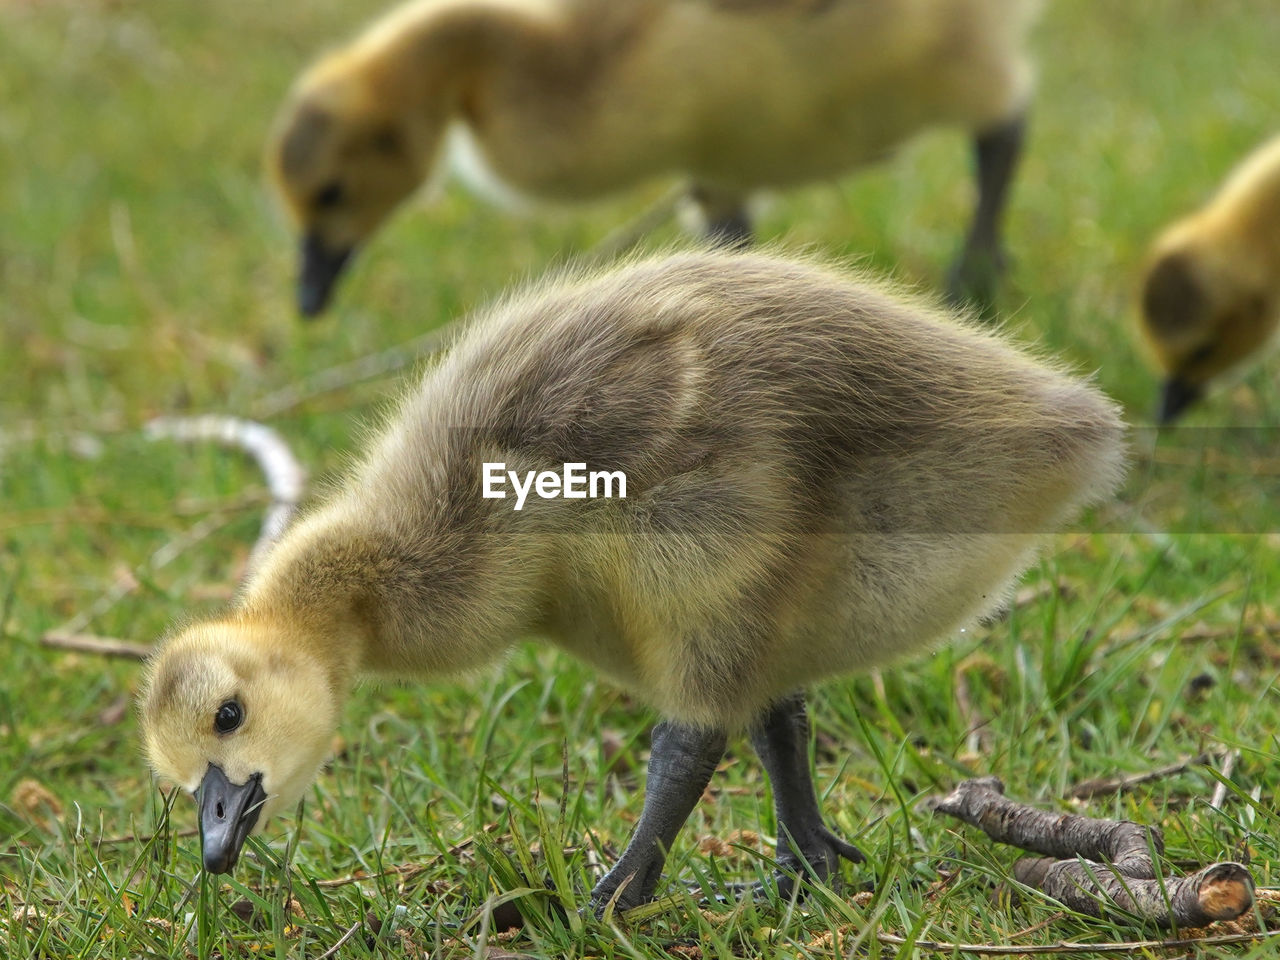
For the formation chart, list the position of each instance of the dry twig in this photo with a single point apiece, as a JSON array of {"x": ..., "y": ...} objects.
[
  {"x": 1220, "y": 790},
  {"x": 1209, "y": 457},
  {"x": 333, "y": 951},
  {"x": 1204, "y": 633},
  {"x": 1076, "y": 949},
  {"x": 143, "y": 837},
  {"x": 91, "y": 643},
  {"x": 1102, "y": 868},
  {"x": 403, "y": 872},
  {"x": 163, "y": 556},
  {"x": 286, "y": 481},
  {"x": 284, "y": 475},
  {"x": 344, "y": 375},
  {"x": 977, "y": 727},
  {"x": 1107, "y": 785},
  {"x": 624, "y": 237}
]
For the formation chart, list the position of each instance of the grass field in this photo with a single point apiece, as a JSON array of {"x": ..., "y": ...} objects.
[{"x": 143, "y": 271}]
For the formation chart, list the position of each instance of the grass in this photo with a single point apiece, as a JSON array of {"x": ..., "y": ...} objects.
[{"x": 144, "y": 272}]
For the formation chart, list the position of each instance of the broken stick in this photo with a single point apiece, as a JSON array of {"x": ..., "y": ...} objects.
[
  {"x": 285, "y": 477},
  {"x": 1089, "y": 789},
  {"x": 1102, "y": 868},
  {"x": 1221, "y": 891},
  {"x": 91, "y": 643}
]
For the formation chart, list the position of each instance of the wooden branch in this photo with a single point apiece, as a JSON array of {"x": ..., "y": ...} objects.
[
  {"x": 406, "y": 872},
  {"x": 1033, "y": 594},
  {"x": 1222, "y": 891},
  {"x": 1201, "y": 632},
  {"x": 1122, "y": 843},
  {"x": 1103, "y": 868}
]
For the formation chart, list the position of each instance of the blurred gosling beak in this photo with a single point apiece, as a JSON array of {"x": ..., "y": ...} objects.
[
  {"x": 1175, "y": 396},
  {"x": 228, "y": 812},
  {"x": 321, "y": 268}
]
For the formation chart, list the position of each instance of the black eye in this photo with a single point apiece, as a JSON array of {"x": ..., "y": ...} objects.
[
  {"x": 328, "y": 196},
  {"x": 229, "y": 716},
  {"x": 387, "y": 141},
  {"x": 1201, "y": 354}
]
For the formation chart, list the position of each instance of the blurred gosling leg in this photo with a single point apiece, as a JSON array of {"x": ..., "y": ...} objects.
[
  {"x": 726, "y": 222},
  {"x": 974, "y": 275}
]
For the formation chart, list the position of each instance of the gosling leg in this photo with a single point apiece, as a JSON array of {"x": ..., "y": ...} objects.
[
  {"x": 805, "y": 844},
  {"x": 731, "y": 231},
  {"x": 727, "y": 224},
  {"x": 974, "y": 275},
  {"x": 681, "y": 762}
]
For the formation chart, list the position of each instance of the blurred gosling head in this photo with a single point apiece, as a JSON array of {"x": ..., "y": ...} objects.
[
  {"x": 1211, "y": 295},
  {"x": 241, "y": 719},
  {"x": 344, "y": 154}
]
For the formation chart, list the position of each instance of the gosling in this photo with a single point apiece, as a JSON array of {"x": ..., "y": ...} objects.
[
  {"x": 1211, "y": 297},
  {"x": 819, "y": 477},
  {"x": 568, "y": 100}
]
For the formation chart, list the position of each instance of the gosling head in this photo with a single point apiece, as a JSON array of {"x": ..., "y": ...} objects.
[
  {"x": 237, "y": 718},
  {"x": 1203, "y": 314},
  {"x": 342, "y": 158}
]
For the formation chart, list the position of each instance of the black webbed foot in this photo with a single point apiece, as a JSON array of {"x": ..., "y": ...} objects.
[
  {"x": 816, "y": 854},
  {"x": 681, "y": 762},
  {"x": 806, "y": 846}
]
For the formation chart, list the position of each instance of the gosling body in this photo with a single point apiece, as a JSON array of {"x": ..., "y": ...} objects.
[
  {"x": 1211, "y": 294},
  {"x": 568, "y": 100},
  {"x": 821, "y": 477}
]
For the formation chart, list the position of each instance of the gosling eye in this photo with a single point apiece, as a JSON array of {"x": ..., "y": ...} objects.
[
  {"x": 1200, "y": 354},
  {"x": 387, "y": 141},
  {"x": 328, "y": 196},
  {"x": 229, "y": 717}
]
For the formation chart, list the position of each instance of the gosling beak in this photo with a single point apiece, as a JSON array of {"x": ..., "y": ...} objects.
[
  {"x": 1175, "y": 396},
  {"x": 228, "y": 812},
  {"x": 321, "y": 268}
]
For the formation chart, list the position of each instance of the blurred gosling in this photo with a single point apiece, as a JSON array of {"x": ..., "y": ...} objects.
[
  {"x": 1211, "y": 297},
  {"x": 819, "y": 477},
  {"x": 568, "y": 100}
]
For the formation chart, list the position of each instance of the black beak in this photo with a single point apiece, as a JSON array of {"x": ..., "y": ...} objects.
[
  {"x": 228, "y": 812},
  {"x": 321, "y": 268},
  {"x": 1175, "y": 396}
]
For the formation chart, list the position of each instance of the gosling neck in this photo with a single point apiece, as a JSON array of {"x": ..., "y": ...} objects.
[
  {"x": 432, "y": 56},
  {"x": 377, "y": 591},
  {"x": 312, "y": 586}
]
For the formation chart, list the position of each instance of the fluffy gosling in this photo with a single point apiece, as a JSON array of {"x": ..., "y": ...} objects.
[
  {"x": 819, "y": 477},
  {"x": 1211, "y": 297},
  {"x": 567, "y": 100}
]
